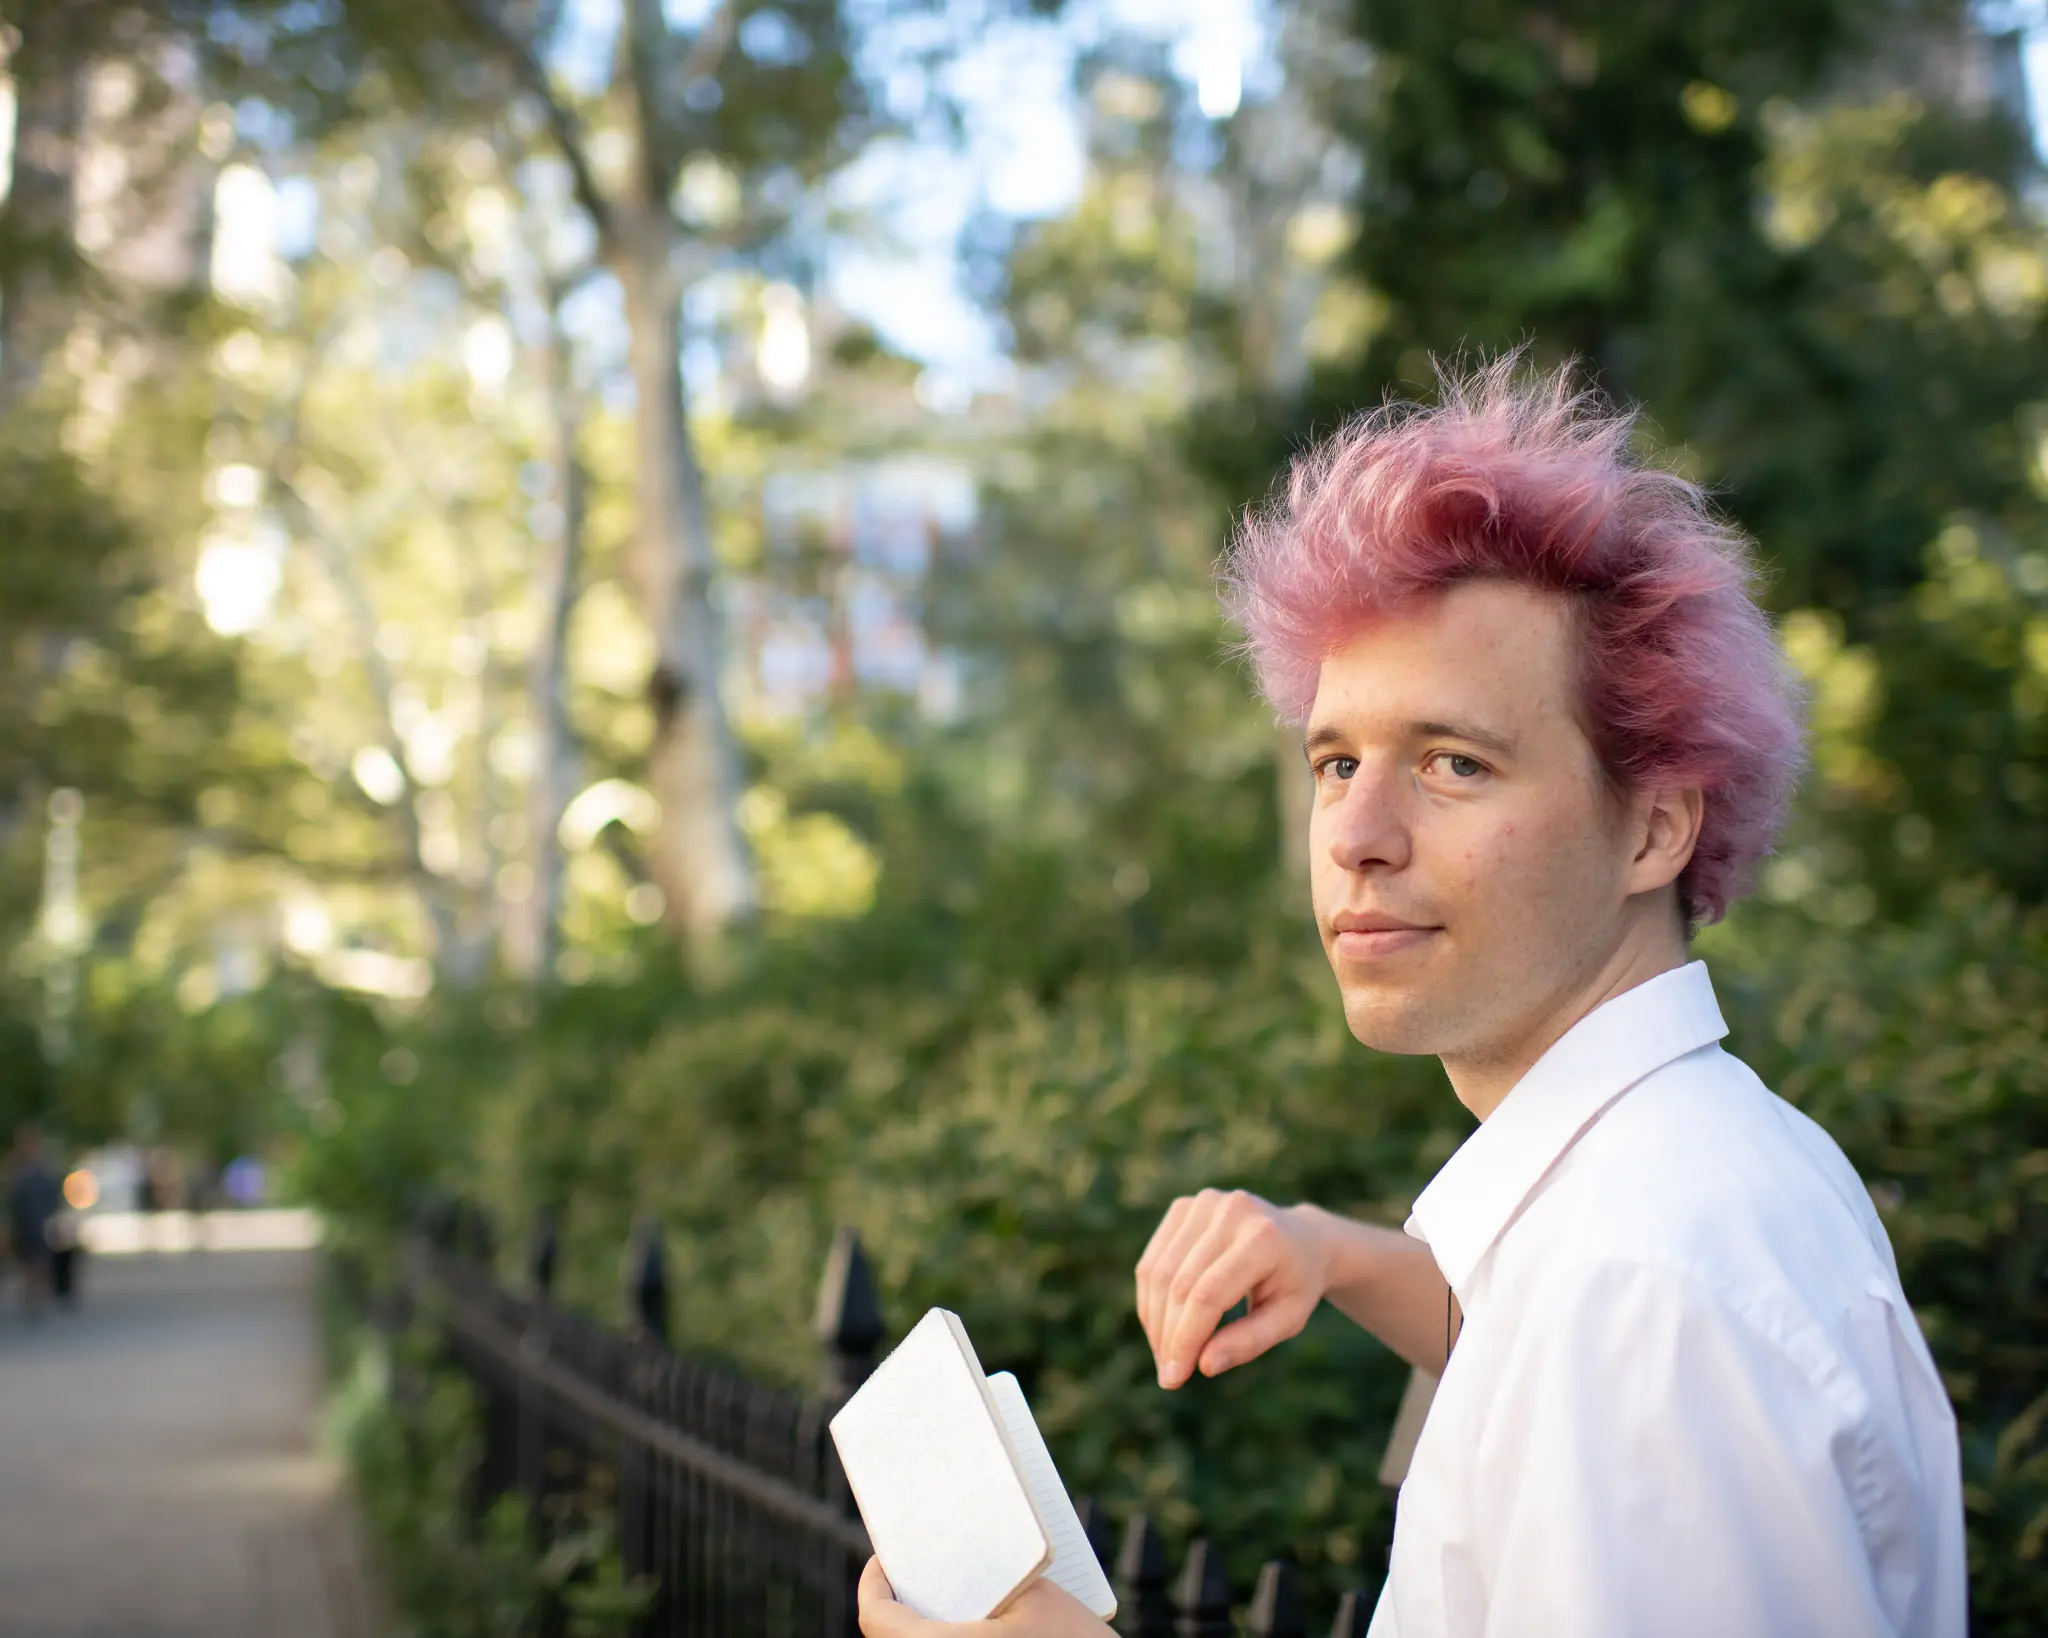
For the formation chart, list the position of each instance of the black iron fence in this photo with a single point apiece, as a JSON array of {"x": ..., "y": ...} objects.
[{"x": 729, "y": 1503}]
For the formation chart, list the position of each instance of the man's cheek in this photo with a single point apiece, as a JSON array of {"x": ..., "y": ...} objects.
[{"x": 1487, "y": 861}]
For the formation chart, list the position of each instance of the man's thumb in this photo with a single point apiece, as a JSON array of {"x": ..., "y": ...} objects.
[{"x": 1246, "y": 1339}]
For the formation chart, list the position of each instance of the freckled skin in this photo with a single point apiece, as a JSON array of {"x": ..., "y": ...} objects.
[{"x": 1544, "y": 892}]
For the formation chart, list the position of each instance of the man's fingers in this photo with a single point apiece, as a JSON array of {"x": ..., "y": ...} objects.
[
  {"x": 1267, "y": 1325},
  {"x": 1154, "y": 1268},
  {"x": 1044, "y": 1610},
  {"x": 877, "y": 1601},
  {"x": 880, "y": 1615},
  {"x": 1187, "y": 1219},
  {"x": 889, "y": 1619},
  {"x": 1217, "y": 1270}
]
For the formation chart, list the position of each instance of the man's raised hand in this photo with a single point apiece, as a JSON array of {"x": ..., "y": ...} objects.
[{"x": 1212, "y": 1251}]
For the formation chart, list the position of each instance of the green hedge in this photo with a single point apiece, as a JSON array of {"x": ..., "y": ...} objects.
[
  {"x": 410, "y": 1430},
  {"x": 1004, "y": 1129}
]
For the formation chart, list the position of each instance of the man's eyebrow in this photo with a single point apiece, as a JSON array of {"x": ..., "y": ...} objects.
[
  {"x": 1317, "y": 738},
  {"x": 1500, "y": 744}
]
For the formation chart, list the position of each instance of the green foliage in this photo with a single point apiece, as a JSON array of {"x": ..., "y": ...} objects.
[
  {"x": 1792, "y": 285},
  {"x": 410, "y": 1432},
  {"x": 1005, "y": 1133}
]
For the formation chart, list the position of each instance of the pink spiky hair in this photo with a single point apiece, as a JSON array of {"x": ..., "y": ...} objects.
[{"x": 1520, "y": 476}]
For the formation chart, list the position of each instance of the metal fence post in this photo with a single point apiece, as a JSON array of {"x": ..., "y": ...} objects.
[
  {"x": 1202, "y": 1599},
  {"x": 646, "y": 1292},
  {"x": 1095, "y": 1526},
  {"x": 474, "y": 1235},
  {"x": 1276, "y": 1604},
  {"x": 438, "y": 1218},
  {"x": 1352, "y": 1616},
  {"x": 1142, "y": 1607},
  {"x": 848, "y": 1321},
  {"x": 647, "y": 1281},
  {"x": 533, "y": 1347},
  {"x": 546, "y": 1252}
]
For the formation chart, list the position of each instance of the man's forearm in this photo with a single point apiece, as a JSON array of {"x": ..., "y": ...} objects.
[{"x": 1386, "y": 1282}]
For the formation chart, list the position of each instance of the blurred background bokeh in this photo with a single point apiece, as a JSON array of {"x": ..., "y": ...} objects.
[{"x": 604, "y": 607}]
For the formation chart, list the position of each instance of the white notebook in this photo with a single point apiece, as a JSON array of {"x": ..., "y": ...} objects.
[{"x": 959, "y": 1494}]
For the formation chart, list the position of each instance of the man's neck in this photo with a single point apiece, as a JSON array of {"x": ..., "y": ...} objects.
[{"x": 1482, "y": 1081}]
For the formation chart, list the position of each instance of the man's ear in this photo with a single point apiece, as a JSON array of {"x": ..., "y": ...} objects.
[{"x": 1667, "y": 830}]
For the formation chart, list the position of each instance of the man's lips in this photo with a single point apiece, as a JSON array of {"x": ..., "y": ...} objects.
[{"x": 1368, "y": 935}]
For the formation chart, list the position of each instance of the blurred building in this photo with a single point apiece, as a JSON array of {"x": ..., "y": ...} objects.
[
  {"x": 838, "y": 605},
  {"x": 1974, "y": 60}
]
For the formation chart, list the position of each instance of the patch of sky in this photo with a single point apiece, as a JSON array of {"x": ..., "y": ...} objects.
[
  {"x": 704, "y": 373},
  {"x": 772, "y": 40},
  {"x": 586, "y": 38},
  {"x": 297, "y": 223},
  {"x": 1015, "y": 148},
  {"x": 304, "y": 16},
  {"x": 594, "y": 316},
  {"x": 2034, "y": 68},
  {"x": 1018, "y": 152},
  {"x": 262, "y": 124},
  {"x": 2024, "y": 25}
]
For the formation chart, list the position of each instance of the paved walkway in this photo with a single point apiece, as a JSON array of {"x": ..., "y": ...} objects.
[{"x": 159, "y": 1476}]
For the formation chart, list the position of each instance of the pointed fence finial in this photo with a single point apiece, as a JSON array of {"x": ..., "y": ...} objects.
[
  {"x": 482, "y": 1237},
  {"x": 1143, "y": 1609},
  {"x": 440, "y": 1218},
  {"x": 547, "y": 1251},
  {"x": 1202, "y": 1597},
  {"x": 1352, "y": 1616},
  {"x": 1276, "y": 1603},
  {"x": 848, "y": 1320},
  {"x": 647, "y": 1281}
]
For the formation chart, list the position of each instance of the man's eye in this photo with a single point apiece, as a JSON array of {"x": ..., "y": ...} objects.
[
  {"x": 1459, "y": 767},
  {"x": 1336, "y": 767}
]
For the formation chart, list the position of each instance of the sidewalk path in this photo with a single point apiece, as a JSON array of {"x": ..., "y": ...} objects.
[{"x": 159, "y": 1476}]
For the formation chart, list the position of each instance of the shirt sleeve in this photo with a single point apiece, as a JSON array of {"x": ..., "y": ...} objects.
[{"x": 1658, "y": 1465}]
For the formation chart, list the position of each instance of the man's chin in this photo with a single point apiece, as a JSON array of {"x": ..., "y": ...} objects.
[{"x": 1393, "y": 1022}]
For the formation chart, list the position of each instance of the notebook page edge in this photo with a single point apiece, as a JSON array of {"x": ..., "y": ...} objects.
[{"x": 1095, "y": 1592}]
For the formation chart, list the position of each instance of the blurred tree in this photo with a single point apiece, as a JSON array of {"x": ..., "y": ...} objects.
[
  {"x": 111, "y": 686},
  {"x": 679, "y": 141},
  {"x": 50, "y": 48}
]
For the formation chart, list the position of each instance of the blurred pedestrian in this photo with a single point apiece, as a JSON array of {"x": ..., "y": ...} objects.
[
  {"x": 33, "y": 1199},
  {"x": 243, "y": 1182}
]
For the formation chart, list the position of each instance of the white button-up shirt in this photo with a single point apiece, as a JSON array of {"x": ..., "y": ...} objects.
[{"x": 1689, "y": 1398}]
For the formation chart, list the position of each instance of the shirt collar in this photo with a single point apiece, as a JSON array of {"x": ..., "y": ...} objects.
[{"x": 1471, "y": 1201}]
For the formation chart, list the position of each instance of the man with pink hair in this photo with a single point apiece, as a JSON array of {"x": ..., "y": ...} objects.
[{"x": 1681, "y": 1392}]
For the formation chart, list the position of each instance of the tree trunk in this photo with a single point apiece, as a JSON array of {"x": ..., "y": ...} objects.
[
  {"x": 534, "y": 928},
  {"x": 48, "y": 69},
  {"x": 336, "y": 558},
  {"x": 698, "y": 858}
]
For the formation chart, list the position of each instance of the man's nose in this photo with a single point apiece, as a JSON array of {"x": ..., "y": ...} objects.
[{"x": 1369, "y": 826}]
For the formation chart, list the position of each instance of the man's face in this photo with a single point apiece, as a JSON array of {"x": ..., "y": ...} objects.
[{"x": 1469, "y": 866}]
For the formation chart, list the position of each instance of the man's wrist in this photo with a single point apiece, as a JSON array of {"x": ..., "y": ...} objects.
[
  {"x": 1323, "y": 1230},
  {"x": 1352, "y": 1254}
]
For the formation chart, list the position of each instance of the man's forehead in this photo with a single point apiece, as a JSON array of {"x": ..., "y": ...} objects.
[{"x": 1495, "y": 661}]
